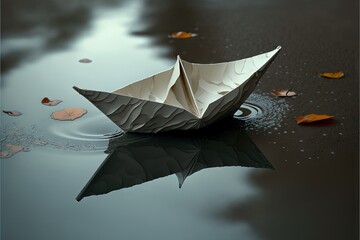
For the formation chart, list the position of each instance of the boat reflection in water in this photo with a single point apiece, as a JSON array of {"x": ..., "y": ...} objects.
[{"x": 138, "y": 158}]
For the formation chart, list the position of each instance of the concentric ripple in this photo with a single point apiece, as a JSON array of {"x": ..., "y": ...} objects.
[
  {"x": 89, "y": 133},
  {"x": 261, "y": 112},
  {"x": 248, "y": 111}
]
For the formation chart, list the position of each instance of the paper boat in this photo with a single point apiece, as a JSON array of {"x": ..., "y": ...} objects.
[
  {"x": 187, "y": 96},
  {"x": 140, "y": 158}
]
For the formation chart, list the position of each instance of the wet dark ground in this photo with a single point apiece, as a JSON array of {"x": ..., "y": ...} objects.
[{"x": 313, "y": 192}]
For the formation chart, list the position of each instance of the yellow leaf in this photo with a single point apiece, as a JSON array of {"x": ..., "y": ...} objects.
[
  {"x": 182, "y": 35},
  {"x": 332, "y": 74}
]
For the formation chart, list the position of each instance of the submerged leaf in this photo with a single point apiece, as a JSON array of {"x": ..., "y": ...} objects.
[
  {"x": 10, "y": 150},
  {"x": 312, "y": 118},
  {"x": 182, "y": 35},
  {"x": 283, "y": 93},
  {"x": 68, "y": 114},
  {"x": 12, "y": 113},
  {"x": 4, "y": 154},
  {"x": 46, "y": 101},
  {"x": 332, "y": 74},
  {"x": 85, "y": 60}
]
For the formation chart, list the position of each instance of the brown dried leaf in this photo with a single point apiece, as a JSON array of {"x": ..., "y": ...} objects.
[
  {"x": 12, "y": 113},
  {"x": 312, "y": 118},
  {"x": 283, "y": 93},
  {"x": 85, "y": 60},
  {"x": 334, "y": 75},
  {"x": 46, "y": 101},
  {"x": 68, "y": 114},
  {"x": 182, "y": 35}
]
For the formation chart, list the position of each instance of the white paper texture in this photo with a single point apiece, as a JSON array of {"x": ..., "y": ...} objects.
[{"x": 187, "y": 96}]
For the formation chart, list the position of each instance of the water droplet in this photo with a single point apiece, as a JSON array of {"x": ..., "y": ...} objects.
[
  {"x": 332, "y": 153},
  {"x": 310, "y": 158},
  {"x": 292, "y": 131},
  {"x": 324, "y": 134},
  {"x": 285, "y": 132},
  {"x": 341, "y": 134},
  {"x": 302, "y": 150},
  {"x": 301, "y": 141},
  {"x": 274, "y": 142},
  {"x": 297, "y": 162}
]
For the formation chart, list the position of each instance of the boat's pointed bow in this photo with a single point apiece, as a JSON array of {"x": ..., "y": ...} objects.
[{"x": 79, "y": 90}]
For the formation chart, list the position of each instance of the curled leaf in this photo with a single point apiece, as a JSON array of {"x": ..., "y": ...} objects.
[
  {"x": 68, "y": 114},
  {"x": 312, "y": 118},
  {"x": 85, "y": 60},
  {"x": 283, "y": 93},
  {"x": 332, "y": 74},
  {"x": 12, "y": 113},
  {"x": 182, "y": 35},
  {"x": 46, "y": 101}
]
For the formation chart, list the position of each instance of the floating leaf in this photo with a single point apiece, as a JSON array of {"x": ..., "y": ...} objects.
[
  {"x": 46, "y": 101},
  {"x": 12, "y": 113},
  {"x": 10, "y": 150},
  {"x": 283, "y": 93},
  {"x": 332, "y": 74},
  {"x": 68, "y": 114},
  {"x": 182, "y": 35},
  {"x": 4, "y": 154},
  {"x": 312, "y": 118},
  {"x": 85, "y": 60}
]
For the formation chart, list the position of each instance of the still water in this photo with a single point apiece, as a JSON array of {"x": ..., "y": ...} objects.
[
  {"x": 314, "y": 181},
  {"x": 39, "y": 185}
]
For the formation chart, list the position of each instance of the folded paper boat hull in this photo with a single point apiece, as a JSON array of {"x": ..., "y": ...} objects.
[{"x": 187, "y": 96}]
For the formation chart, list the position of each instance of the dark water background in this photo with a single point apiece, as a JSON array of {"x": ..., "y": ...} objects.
[{"x": 311, "y": 194}]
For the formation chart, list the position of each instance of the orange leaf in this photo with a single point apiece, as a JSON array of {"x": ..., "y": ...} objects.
[
  {"x": 332, "y": 74},
  {"x": 12, "y": 113},
  {"x": 49, "y": 102},
  {"x": 283, "y": 93},
  {"x": 182, "y": 35},
  {"x": 68, "y": 114},
  {"x": 312, "y": 118}
]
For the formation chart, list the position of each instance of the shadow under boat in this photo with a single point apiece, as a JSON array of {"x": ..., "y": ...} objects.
[{"x": 138, "y": 158}]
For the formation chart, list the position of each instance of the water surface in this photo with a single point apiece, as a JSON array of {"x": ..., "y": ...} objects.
[{"x": 311, "y": 194}]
